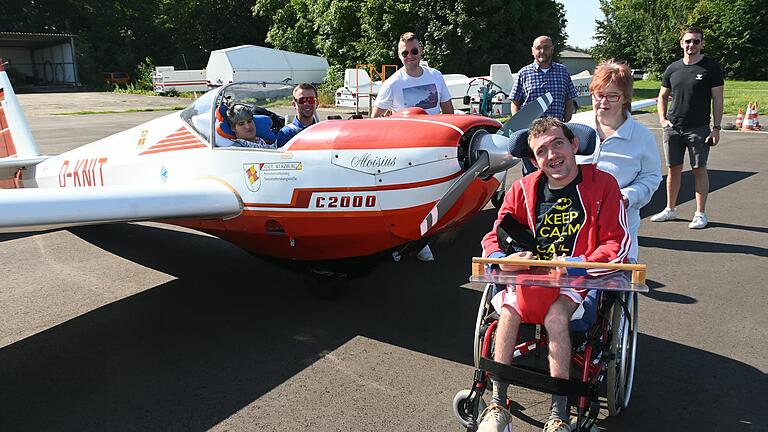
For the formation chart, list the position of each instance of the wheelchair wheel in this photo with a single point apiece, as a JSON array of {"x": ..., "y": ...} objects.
[
  {"x": 463, "y": 407},
  {"x": 621, "y": 368},
  {"x": 482, "y": 312}
]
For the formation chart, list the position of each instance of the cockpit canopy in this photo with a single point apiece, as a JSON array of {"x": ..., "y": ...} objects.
[{"x": 201, "y": 114}]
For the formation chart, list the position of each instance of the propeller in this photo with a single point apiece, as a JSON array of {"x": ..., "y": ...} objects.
[
  {"x": 527, "y": 115},
  {"x": 491, "y": 154}
]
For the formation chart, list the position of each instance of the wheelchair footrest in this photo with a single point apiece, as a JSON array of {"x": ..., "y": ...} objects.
[{"x": 537, "y": 380}]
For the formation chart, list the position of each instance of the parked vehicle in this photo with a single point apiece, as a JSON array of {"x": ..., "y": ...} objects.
[{"x": 116, "y": 78}]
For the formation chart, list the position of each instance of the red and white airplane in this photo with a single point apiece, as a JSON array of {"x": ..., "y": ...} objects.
[{"x": 339, "y": 189}]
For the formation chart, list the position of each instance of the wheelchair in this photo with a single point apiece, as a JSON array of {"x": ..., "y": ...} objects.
[{"x": 604, "y": 340}]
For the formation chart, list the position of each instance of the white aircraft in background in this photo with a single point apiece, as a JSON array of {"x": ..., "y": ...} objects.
[{"x": 358, "y": 87}]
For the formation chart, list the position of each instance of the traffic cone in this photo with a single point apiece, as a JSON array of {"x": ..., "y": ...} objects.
[
  {"x": 740, "y": 119},
  {"x": 748, "y": 119},
  {"x": 756, "y": 126}
]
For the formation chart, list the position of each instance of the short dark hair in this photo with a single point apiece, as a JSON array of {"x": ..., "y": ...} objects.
[
  {"x": 305, "y": 86},
  {"x": 239, "y": 112},
  {"x": 693, "y": 29},
  {"x": 407, "y": 36},
  {"x": 542, "y": 125}
]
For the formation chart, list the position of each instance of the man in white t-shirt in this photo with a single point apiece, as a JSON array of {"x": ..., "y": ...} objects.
[{"x": 413, "y": 85}]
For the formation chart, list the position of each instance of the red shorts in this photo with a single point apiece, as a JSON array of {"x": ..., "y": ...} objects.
[{"x": 532, "y": 302}]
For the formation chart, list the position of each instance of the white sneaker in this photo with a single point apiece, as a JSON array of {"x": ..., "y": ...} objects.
[
  {"x": 495, "y": 418},
  {"x": 557, "y": 425},
  {"x": 699, "y": 221},
  {"x": 425, "y": 254},
  {"x": 667, "y": 214}
]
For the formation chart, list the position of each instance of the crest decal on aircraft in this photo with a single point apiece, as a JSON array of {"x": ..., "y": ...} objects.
[{"x": 252, "y": 176}]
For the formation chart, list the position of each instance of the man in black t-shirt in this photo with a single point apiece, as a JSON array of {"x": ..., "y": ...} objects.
[{"x": 696, "y": 83}]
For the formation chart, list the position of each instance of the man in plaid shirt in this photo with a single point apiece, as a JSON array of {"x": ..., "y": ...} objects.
[{"x": 540, "y": 77}]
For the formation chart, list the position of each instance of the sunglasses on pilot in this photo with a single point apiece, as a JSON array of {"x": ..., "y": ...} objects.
[
  {"x": 413, "y": 51},
  {"x": 610, "y": 97},
  {"x": 305, "y": 100},
  {"x": 692, "y": 41}
]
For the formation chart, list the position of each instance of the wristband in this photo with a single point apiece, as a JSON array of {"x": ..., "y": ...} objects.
[{"x": 718, "y": 127}]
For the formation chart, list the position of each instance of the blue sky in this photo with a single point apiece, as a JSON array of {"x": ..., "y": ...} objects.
[{"x": 581, "y": 16}]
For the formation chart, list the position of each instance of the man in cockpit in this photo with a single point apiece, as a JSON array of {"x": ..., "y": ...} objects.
[{"x": 305, "y": 102}]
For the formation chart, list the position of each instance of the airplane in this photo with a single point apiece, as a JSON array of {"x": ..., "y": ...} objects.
[
  {"x": 466, "y": 92},
  {"x": 340, "y": 189}
]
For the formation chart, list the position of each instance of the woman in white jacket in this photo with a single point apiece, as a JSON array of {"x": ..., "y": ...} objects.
[{"x": 626, "y": 148}]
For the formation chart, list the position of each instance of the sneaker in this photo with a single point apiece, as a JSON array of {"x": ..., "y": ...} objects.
[
  {"x": 495, "y": 418},
  {"x": 557, "y": 425},
  {"x": 667, "y": 215},
  {"x": 425, "y": 254},
  {"x": 699, "y": 221}
]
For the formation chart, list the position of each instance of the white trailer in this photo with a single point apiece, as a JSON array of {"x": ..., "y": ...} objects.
[
  {"x": 255, "y": 63},
  {"x": 165, "y": 79}
]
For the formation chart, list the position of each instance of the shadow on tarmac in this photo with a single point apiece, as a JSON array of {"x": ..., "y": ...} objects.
[
  {"x": 718, "y": 179},
  {"x": 189, "y": 353},
  {"x": 701, "y": 246},
  {"x": 667, "y": 297},
  {"x": 681, "y": 388}
]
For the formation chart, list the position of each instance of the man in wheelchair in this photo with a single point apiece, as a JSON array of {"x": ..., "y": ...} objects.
[{"x": 564, "y": 212}]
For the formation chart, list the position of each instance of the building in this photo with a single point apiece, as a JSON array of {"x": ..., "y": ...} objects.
[
  {"x": 577, "y": 61},
  {"x": 39, "y": 58}
]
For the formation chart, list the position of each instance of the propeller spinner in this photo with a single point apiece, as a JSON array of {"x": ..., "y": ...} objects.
[{"x": 490, "y": 154}]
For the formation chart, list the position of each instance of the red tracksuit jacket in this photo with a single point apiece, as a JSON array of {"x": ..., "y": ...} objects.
[{"x": 602, "y": 238}]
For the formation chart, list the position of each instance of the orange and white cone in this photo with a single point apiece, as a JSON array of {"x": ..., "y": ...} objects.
[
  {"x": 748, "y": 119},
  {"x": 740, "y": 119}
]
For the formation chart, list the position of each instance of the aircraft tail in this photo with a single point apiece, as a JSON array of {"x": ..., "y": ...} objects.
[{"x": 15, "y": 137}]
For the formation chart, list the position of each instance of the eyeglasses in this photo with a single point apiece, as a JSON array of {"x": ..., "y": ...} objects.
[
  {"x": 305, "y": 100},
  {"x": 413, "y": 51},
  {"x": 692, "y": 41},
  {"x": 611, "y": 97}
]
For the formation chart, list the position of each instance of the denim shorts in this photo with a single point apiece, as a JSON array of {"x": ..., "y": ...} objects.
[{"x": 676, "y": 140}]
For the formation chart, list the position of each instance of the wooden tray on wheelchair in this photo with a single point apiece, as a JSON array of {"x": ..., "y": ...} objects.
[{"x": 631, "y": 277}]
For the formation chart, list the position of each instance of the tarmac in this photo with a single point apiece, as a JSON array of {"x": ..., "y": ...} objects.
[{"x": 151, "y": 327}]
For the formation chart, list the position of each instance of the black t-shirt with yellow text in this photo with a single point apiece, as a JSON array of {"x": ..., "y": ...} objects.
[{"x": 559, "y": 217}]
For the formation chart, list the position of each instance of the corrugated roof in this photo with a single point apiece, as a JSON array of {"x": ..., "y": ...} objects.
[
  {"x": 574, "y": 54},
  {"x": 32, "y": 40}
]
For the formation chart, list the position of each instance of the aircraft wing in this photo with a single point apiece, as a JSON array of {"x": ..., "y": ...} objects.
[
  {"x": 45, "y": 208},
  {"x": 9, "y": 165},
  {"x": 584, "y": 116}
]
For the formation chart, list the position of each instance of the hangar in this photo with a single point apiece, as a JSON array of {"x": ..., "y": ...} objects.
[{"x": 39, "y": 58}]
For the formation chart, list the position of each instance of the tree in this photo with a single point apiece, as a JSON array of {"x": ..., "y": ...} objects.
[
  {"x": 735, "y": 31},
  {"x": 459, "y": 36},
  {"x": 647, "y": 32}
]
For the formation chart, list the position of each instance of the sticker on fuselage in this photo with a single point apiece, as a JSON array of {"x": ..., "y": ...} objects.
[
  {"x": 255, "y": 173},
  {"x": 252, "y": 177},
  {"x": 82, "y": 172}
]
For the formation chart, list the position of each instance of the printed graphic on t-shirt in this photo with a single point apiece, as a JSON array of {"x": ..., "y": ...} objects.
[
  {"x": 422, "y": 96},
  {"x": 558, "y": 227}
]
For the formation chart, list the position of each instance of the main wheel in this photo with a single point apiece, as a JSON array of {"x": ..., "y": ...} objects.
[
  {"x": 326, "y": 285},
  {"x": 621, "y": 367},
  {"x": 482, "y": 313},
  {"x": 463, "y": 407}
]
